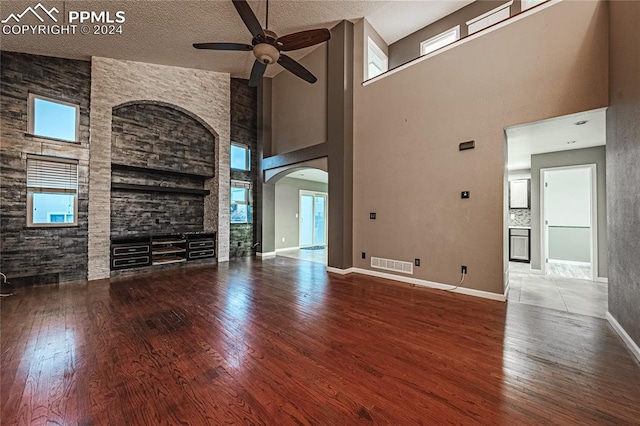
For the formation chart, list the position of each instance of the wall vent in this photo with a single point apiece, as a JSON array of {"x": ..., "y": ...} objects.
[{"x": 392, "y": 265}]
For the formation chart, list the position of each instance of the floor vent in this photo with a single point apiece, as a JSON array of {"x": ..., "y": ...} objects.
[{"x": 392, "y": 265}]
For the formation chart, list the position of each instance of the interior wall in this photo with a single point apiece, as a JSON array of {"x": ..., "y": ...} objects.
[
  {"x": 40, "y": 255},
  {"x": 596, "y": 155},
  {"x": 204, "y": 94},
  {"x": 408, "y": 48},
  {"x": 287, "y": 205},
  {"x": 244, "y": 130},
  {"x": 299, "y": 109},
  {"x": 407, "y": 166},
  {"x": 623, "y": 158}
]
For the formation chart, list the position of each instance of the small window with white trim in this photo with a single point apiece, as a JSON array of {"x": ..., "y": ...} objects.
[
  {"x": 52, "y": 118},
  {"x": 377, "y": 61},
  {"x": 240, "y": 202},
  {"x": 493, "y": 16},
  {"x": 52, "y": 191},
  {"x": 240, "y": 157},
  {"x": 441, "y": 40}
]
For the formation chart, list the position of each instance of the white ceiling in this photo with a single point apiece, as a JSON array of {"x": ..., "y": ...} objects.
[
  {"x": 314, "y": 175},
  {"x": 163, "y": 32},
  {"x": 554, "y": 135}
]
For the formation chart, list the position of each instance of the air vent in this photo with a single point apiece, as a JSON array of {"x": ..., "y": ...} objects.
[{"x": 392, "y": 265}]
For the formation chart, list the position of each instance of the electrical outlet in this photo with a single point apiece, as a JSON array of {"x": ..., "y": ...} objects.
[
  {"x": 372, "y": 215},
  {"x": 465, "y": 194},
  {"x": 464, "y": 269},
  {"x": 364, "y": 255},
  {"x": 417, "y": 262}
]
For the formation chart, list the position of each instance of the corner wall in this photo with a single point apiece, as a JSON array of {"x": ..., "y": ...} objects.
[
  {"x": 623, "y": 166},
  {"x": 408, "y": 124},
  {"x": 203, "y": 93}
]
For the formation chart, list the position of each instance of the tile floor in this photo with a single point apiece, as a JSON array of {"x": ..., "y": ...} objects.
[
  {"x": 569, "y": 271},
  {"x": 565, "y": 294},
  {"x": 316, "y": 256}
]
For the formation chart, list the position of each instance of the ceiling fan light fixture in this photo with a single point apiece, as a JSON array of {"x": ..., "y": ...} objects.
[{"x": 266, "y": 53}]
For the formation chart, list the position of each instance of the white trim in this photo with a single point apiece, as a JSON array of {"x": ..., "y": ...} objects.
[
  {"x": 489, "y": 13},
  {"x": 602, "y": 280},
  {"x": 433, "y": 40},
  {"x": 467, "y": 39},
  {"x": 287, "y": 249},
  {"x": 633, "y": 346},
  {"x": 544, "y": 243},
  {"x": 340, "y": 271},
  {"x": 430, "y": 284},
  {"x": 569, "y": 262},
  {"x": 265, "y": 255}
]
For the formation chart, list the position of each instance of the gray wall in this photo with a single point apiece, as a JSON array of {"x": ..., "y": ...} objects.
[
  {"x": 40, "y": 255},
  {"x": 575, "y": 157},
  {"x": 287, "y": 204},
  {"x": 623, "y": 160},
  {"x": 408, "y": 48},
  {"x": 407, "y": 166},
  {"x": 299, "y": 109}
]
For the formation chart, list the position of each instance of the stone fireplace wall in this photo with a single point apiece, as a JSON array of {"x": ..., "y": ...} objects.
[{"x": 204, "y": 94}]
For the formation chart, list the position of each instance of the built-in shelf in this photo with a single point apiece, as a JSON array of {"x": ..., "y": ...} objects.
[
  {"x": 161, "y": 242},
  {"x": 139, "y": 169},
  {"x": 153, "y": 188},
  {"x": 168, "y": 259},
  {"x": 167, "y": 250}
]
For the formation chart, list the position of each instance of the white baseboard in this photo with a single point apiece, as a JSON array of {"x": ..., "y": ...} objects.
[
  {"x": 633, "y": 347},
  {"x": 602, "y": 280},
  {"x": 287, "y": 249},
  {"x": 265, "y": 255},
  {"x": 423, "y": 283},
  {"x": 340, "y": 271}
]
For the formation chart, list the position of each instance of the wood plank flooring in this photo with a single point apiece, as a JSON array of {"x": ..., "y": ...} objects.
[{"x": 281, "y": 342}]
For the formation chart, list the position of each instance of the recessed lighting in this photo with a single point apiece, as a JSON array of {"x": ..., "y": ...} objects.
[
  {"x": 581, "y": 122},
  {"x": 570, "y": 142}
]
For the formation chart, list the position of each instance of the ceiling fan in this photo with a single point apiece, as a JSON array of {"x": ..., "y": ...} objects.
[{"x": 266, "y": 45}]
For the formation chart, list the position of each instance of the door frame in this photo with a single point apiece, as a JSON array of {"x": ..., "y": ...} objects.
[
  {"x": 326, "y": 217},
  {"x": 544, "y": 243}
]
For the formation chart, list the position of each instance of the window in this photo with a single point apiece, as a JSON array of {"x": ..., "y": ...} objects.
[
  {"x": 377, "y": 60},
  {"x": 51, "y": 118},
  {"x": 52, "y": 191},
  {"x": 240, "y": 157},
  {"x": 528, "y": 4},
  {"x": 441, "y": 40},
  {"x": 493, "y": 16},
  {"x": 240, "y": 202}
]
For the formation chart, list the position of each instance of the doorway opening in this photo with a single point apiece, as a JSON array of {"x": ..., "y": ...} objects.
[
  {"x": 555, "y": 213},
  {"x": 302, "y": 215},
  {"x": 569, "y": 226}
]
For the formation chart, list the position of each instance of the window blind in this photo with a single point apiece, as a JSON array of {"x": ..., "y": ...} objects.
[{"x": 52, "y": 175}]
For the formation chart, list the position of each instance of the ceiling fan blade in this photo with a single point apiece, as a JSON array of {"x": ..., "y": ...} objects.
[
  {"x": 248, "y": 17},
  {"x": 297, "y": 69},
  {"x": 303, "y": 39},
  {"x": 223, "y": 46},
  {"x": 256, "y": 73}
]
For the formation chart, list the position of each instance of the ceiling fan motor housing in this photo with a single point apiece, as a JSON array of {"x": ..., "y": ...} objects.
[{"x": 266, "y": 53}]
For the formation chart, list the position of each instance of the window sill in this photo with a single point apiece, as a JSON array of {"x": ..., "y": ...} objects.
[
  {"x": 41, "y": 226},
  {"x": 50, "y": 139}
]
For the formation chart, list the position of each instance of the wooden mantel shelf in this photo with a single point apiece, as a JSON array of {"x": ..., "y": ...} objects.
[{"x": 153, "y": 188}]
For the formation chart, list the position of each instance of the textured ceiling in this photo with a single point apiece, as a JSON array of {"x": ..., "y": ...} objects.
[{"x": 162, "y": 32}]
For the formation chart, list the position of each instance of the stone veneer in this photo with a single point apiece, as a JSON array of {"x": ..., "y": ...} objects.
[{"x": 205, "y": 94}]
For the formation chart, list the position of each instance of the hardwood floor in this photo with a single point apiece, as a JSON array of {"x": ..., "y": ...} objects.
[{"x": 282, "y": 342}]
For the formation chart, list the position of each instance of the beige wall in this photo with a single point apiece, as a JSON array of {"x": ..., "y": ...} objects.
[
  {"x": 407, "y": 167},
  {"x": 299, "y": 109}
]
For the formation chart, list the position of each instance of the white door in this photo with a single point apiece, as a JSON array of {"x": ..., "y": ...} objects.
[
  {"x": 568, "y": 221},
  {"x": 313, "y": 219}
]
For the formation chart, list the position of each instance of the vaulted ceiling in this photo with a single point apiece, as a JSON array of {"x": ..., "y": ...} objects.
[{"x": 163, "y": 32}]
